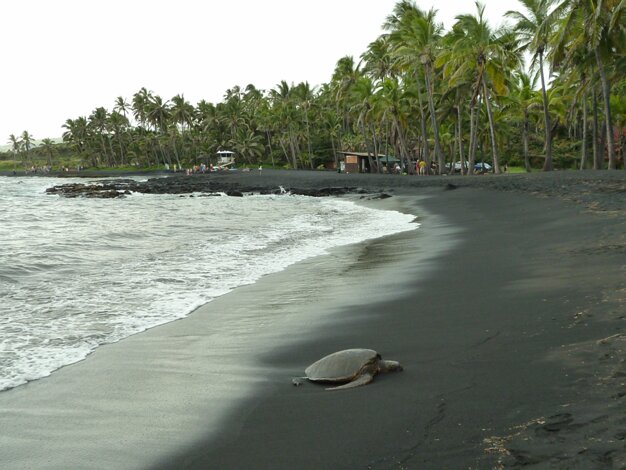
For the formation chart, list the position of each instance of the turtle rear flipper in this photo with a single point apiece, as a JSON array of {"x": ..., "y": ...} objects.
[{"x": 361, "y": 380}]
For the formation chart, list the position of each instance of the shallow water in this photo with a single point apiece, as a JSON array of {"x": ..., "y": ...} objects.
[{"x": 79, "y": 273}]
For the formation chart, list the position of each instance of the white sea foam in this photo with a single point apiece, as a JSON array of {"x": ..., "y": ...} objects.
[{"x": 79, "y": 273}]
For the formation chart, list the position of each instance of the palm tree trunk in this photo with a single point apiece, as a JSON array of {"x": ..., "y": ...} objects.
[
  {"x": 472, "y": 145},
  {"x": 282, "y": 146},
  {"x": 426, "y": 149},
  {"x": 374, "y": 160},
  {"x": 119, "y": 143},
  {"x": 308, "y": 137},
  {"x": 294, "y": 153},
  {"x": 104, "y": 149},
  {"x": 377, "y": 147},
  {"x": 460, "y": 138},
  {"x": 112, "y": 151},
  {"x": 547, "y": 165},
  {"x": 492, "y": 131},
  {"x": 269, "y": 144},
  {"x": 332, "y": 143},
  {"x": 433, "y": 119},
  {"x": 583, "y": 151},
  {"x": 606, "y": 92},
  {"x": 597, "y": 154},
  {"x": 176, "y": 153},
  {"x": 403, "y": 147},
  {"x": 525, "y": 141},
  {"x": 366, "y": 140}
]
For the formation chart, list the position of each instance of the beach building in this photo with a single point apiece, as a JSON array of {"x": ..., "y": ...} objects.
[
  {"x": 358, "y": 162},
  {"x": 225, "y": 158}
]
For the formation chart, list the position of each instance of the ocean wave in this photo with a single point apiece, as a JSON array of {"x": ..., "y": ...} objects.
[{"x": 99, "y": 271}]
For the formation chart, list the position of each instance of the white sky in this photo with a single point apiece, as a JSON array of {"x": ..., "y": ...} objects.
[{"x": 63, "y": 58}]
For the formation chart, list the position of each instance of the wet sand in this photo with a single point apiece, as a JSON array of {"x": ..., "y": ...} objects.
[{"x": 505, "y": 308}]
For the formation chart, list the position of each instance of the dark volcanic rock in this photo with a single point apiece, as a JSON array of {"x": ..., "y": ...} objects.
[
  {"x": 183, "y": 184},
  {"x": 103, "y": 191}
]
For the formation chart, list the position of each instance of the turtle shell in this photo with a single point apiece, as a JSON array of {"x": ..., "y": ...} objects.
[{"x": 341, "y": 366}]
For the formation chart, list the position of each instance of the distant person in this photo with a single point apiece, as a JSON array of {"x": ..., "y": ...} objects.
[{"x": 260, "y": 169}]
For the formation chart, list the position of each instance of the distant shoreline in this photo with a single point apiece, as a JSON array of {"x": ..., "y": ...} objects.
[
  {"x": 86, "y": 173},
  {"x": 599, "y": 190}
]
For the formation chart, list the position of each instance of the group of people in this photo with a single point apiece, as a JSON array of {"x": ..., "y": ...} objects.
[
  {"x": 421, "y": 168},
  {"x": 202, "y": 168},
  {"x": 43, "y": 169}
]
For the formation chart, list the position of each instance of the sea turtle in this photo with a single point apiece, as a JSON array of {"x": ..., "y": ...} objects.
[{"x": 351, "y": 367}]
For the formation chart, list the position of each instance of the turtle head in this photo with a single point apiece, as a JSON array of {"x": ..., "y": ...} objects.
[{"x": 389, "y": 366}]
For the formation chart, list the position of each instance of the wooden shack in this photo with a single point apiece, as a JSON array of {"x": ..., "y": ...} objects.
[{"x": 358, "y": 162}]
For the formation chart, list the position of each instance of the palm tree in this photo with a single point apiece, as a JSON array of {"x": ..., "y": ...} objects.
[
  {"x": 379, "y": 62},
  {"x": 343, "y": 79},
  {"x": 248, "y": 145},
  {"x": 141, "y": 100},
  {"x": 596, "y": 27},
  {"x": 392, "y": 99},
  {"x": 285, "y": 111},
  {"x": 76, "y": 133},
  {"x": 488, "y": 55},
  {"x": 579, "y": 77},
  {"x": 122, "y": 106},
  {"x": 416, "y": 36},
  {"x": 98, "y": 122},
  {"x": 48, "y": 146},
  {"x": 523, "y": 98},
  {"x": 362, "y": 96},
  {"x": 157, "y": 113},
  {"x": 16, "y": 147},
  {"x": 181, "y": 112},
  {"x": 27, "y": 143},
  {"x": 118, "y": 123},
  {"x": 304, "y": 96},
  {"x": 534, "y": 28}
]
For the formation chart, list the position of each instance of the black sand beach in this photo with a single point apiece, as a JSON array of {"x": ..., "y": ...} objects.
[{"x": 505, "y": 309}]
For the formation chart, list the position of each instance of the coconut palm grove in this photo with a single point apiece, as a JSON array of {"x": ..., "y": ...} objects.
[{"x": 546, "y": 91}]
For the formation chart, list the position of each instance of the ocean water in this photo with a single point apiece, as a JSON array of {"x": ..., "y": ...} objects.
[{"x": 79, "y": 273}]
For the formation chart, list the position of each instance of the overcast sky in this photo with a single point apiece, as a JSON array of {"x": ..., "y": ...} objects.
[{"x": 63, "y": 58}]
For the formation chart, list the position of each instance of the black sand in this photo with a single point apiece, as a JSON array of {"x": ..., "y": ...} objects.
[
  {"x": 505, "y": 308},
  {"x": 513, "y": 345}
]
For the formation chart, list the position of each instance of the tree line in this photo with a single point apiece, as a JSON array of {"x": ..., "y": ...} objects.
[{"x": 548, "y": 86}]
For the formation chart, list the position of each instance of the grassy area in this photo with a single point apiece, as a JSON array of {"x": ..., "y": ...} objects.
[
  {"x": 10, "y": 165},
  {"x": 516, "y": 169}
]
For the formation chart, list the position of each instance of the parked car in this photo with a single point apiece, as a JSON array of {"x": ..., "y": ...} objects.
[
  {"x": 482, "y": 167},
  {"x": 457, "y": 167}
]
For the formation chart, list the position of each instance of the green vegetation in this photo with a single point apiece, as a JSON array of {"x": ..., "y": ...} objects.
[{"x": 419, "y": 92}]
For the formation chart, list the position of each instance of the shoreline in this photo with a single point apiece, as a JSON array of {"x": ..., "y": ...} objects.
[
  {"x": 501, "y": 366},
  {"x": 218, "y": 358},
  {"x": 490, "y": 332}
]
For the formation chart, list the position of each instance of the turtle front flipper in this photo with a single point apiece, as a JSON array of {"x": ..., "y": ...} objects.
[{"x": 361, "y": 380}]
